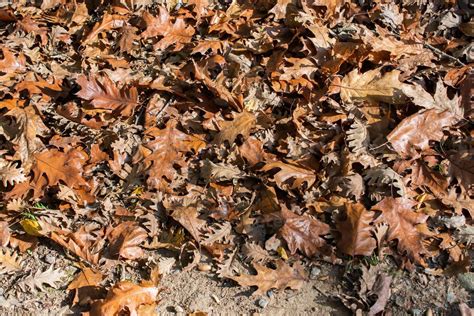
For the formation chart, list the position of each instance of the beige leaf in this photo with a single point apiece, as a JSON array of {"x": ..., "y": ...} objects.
[
  {"x": 9, "y": 262},
  {"x": 372, "y": 85}
]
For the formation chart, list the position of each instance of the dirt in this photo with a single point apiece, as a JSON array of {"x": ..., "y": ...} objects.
[{"x": 185, "y": 292}]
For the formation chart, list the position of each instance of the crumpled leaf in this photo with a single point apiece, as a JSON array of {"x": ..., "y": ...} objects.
[
  {"x": 166, "y": 150},
  {"x": 242, "y": 124},
  {"x": 125, "y": 240},
  {"x": 266, "y": 279},
  {"x": 302, "y": 232},
  {"x": 125, "y": 296}
]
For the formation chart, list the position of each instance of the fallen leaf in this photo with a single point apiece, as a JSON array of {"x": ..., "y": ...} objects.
[
  {"x": 291, "y": 172},
  {"x": 242, "y": 124},
  {"x": 10, "y": 262},
  {"x": 302, "y": 232},
  {"x": 49, "y": 277},
  {"x": 372, "y": 85},
  {"x": 402, "y": 221},
  {"x": 125, "y": 296},
  {"x": 106, "y": 96},
  {"x": 356, "y": 231},
  {"x": 266, "y": 279},
  {"x": 415, "y": 132},
  {"x": 125, "y": 240}
]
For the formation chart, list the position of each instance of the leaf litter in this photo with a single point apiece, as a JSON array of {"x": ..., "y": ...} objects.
[{"x": 250, "y": 141}]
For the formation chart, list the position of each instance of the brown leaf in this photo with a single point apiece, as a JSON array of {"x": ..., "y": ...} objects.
[
  {"x": 461, "y": 167},
  {"x": 31, "y": 26},
  {"x": 166, "y": 150},
  {"x": 125, "y": 296},
  {"x": 106, "y": 96},
  {"x": 11, "y": 64},
  {"x": 291, "y": 172},
  {"x": 356, "y": 231},
  {"x": 266, "y": 279},
  {"x": 423, "y": 176},
  {"x": 177, "y": 33},
  {"x": 252, "y": 151},
  {"x": 87, "y": 277},
  {"x": 53, "y": 166},
  {"x": 372, "y": 85},
  {"x": 108, "y": 22},
  {"x": 188, "y": 217},
  {"x": 402, "y": 221},
  {"x": 4, "y": 234},
  {"x": 415, "y": 132},
  {"x": 125, "y": 240},
  {"x": 302, "y": 232},
  {"x": 129, "y": 35},
  {"x": 242, "y": 124}
]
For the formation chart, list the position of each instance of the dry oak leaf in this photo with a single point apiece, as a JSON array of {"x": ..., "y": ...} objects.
[
  {"x": 109, "y": 22},
  {"x": 461, "y": 167},
  {"x": 105, "y": 95},
  {"x": 125, "y": 240},
  {"x": 28, "y": 25},
  {"x": 48, "y": 276},
  {"x": 356, "y": 231},
  {"x": 166, "y": 150},
  {"x": 177, "y": 33},
  {"x": 266, "y": 279},
  {"x": 11, "y": 64},
  {"x": 9, "y": 262},
  {"x": 59, "y": 166},
  {"x": 415, "y": 132},
  {"x": 290, "y": 172},
  {"x": 87, "y": 277},
  {"x": 302, "y": 232},
  {"x": 402, "y": 221},
  {"x": 422, "y": 175},
  {"x": 82, "y": 243},
  {"x": 242, "y": 124},
  {"x": 10, "y": 174},
  {"x": 439, "y": 101},
  {"x": 372, "y": 85},
  {"x": 125, "y": 296},
  {"x": 188, "y": 217},
  {"x": 4, "y": 233},
  {"x": 29, "y": 126}
]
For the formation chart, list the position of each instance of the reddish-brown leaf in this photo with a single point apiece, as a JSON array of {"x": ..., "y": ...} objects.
[
  {"x": 302, "y": 232},
  {"x": 356, "y": 231},
  {"x": 402, "y": 221},
  {"x": 166, "y": 150},
  {"x": 415, "y": 132},
  {"x": 106, "y": 96},
  {"x": 125, "y": 296},
  {"x": 297, "y": 174},
  {"x": 11, "y": 64},
  {"x": 242, "y": 124},
  {"x": 125, "y": 240}
]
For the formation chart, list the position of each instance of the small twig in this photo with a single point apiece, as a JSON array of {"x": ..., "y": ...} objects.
[{"x": 438, "y": 51}]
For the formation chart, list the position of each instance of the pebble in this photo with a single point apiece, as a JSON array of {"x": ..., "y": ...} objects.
[
  {"x": 315, "y": 272},
  {"x": 178, "y": 309},
  {"x": 204, "y": 267},
  {"x": 49, "y": 258},
  {"x": 270, "y": 293},
  {"x": 215, "y": 298},
  {"x": 467, "y": 280},
  {"x": 262, "y": 302}
]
